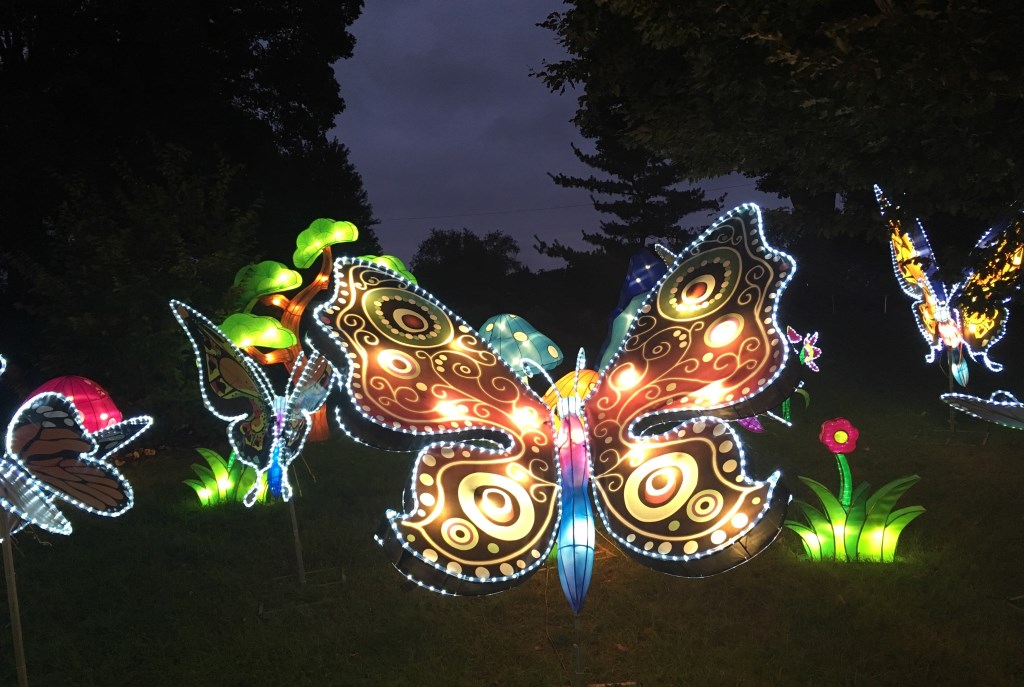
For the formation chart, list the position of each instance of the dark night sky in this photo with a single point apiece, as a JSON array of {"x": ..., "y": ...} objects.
[{"x": 449, "y": 130}]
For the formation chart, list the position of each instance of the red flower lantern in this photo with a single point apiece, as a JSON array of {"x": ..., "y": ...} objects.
[
  {"x": 92, "y": 400},
  {"x": 839, "y": 435}
]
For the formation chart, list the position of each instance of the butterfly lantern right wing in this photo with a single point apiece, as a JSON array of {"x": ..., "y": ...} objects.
[
  {"x": 309, "y": 385},
  {"x": 483, "y": 504},
  {"x": 668, "y": 477},
  {"x": 983, "y": 296}
]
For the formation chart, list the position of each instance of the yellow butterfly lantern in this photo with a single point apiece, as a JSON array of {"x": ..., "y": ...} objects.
[{"x": 969, "y": 318}]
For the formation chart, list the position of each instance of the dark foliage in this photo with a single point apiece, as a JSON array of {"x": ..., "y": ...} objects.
[
  {"x": 923, "y": 97},
  {"x": 149, "y": 152}
]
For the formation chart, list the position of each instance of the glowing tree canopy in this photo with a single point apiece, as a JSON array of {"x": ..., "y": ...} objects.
[
  {"x": 392, "y": 263},
  {"x": 246, "y": 329},
  {"x": 493, "y": 487},
  {"x": 320, "y": 234},
  {"x": 267, "y": 431},
  {"x": 970, "y": 317},
  {"x": 91, "y": 400},
  {"x": 1001, "y": 407},
  {"x": 855, "y": 525},
  {"x": 516, "y": 340},
  {"x": 262, "y": 279}
]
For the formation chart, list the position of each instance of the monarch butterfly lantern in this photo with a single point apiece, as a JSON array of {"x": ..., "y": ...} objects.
[
  {"x": 968, "y": 319},
  {"x": 52, "y": 458},
  {"x": 91, "y": 400},
  {"x": 494, "y": 484}
]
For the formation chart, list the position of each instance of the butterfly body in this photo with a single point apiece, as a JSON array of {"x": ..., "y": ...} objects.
[
  {"x": 576, "y": 532},
  {"x": 969, "y": 318},
  {"x": 266, "y": 430},
  {"x": 494, "y": 486}
]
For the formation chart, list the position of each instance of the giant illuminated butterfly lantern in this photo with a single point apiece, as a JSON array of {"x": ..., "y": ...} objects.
[
  {"x": 494, "y": 487},
  {"x": 50, "y": 457},
  {"x": 266, "y": 430},
  {"x": 970, "y": 317}
]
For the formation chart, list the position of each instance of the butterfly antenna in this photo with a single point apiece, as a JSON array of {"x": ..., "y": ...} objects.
[{"x": 527, "y": 362}]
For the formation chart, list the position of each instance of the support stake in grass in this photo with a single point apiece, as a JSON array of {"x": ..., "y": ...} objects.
[{"x": 12, "y": 602}]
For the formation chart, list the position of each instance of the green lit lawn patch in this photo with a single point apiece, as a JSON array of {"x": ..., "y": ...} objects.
[
  {"x": 224, "y": 481},
  {"x": 855, "y": 525}
]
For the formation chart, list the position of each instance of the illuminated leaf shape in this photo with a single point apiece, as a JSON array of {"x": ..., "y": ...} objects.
[
  {"x": 823, "y": 532},
  {"x": 246, "y": 329},
  {"x": 320, "y": 234},
  {"x": 894, "y": 526},
  {"x": 515, "y": 339},
  {"x": 224, "y": 481},
  {"x": 260, "y": 279},
  {"x": 392, "y": 263},
  {"x": 872, "y": 545},
  {"x": 834, "y": 512}
]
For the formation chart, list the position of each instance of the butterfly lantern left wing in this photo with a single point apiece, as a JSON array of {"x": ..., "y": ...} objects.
[
  {"x": 481, "y": 510},
  {"x": 236, "y": 389},
  {"x": 671, "y": 487},
  {"x": 917, "y": 273}
]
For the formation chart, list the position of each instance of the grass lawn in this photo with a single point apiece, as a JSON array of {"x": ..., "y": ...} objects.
[{"x": 171, "y": 594}]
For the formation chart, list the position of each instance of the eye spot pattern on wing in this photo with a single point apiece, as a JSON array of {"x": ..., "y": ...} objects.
[
  {"x": 407, "y": 318},
  {"x": 477, "y": 514},
  {"x": 700, "y": 285},
  {"x": 680, "y": 494}
]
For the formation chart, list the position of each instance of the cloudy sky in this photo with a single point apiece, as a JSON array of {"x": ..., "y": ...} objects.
[{"x": 449, "y": 130}]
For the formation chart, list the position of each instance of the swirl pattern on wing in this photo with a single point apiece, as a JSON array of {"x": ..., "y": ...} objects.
[
  {"x": 484, "y": 498},
  {"x": 707, "y": 337},
  {"x": 681, "y": 496},
  {"x": 481, "y": 519}
]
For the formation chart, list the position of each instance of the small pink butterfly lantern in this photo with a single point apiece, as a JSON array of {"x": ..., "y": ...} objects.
[{"x": 92, "y": 401}]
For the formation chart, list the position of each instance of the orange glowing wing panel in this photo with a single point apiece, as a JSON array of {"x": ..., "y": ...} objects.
[
  {"x": 708, "y": 337},
  {"x": 983, "y": 298},
  {"x": 483, "y": 502}
]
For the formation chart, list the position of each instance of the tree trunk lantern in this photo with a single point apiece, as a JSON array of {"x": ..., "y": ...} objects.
[{"x": 92, "y": 401}]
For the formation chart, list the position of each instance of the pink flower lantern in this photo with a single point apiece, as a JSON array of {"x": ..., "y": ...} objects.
[
  {"x": 839, "y": 435},
  {"x": 91, "y": 400}
]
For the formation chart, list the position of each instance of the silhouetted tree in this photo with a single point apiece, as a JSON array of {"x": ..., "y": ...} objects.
[
  {"x": 149, "y": 151},
  {"x": 472, "y": 274},
  {"x": 639, "y": 191},
  {"x": 813, "y": 101}
]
